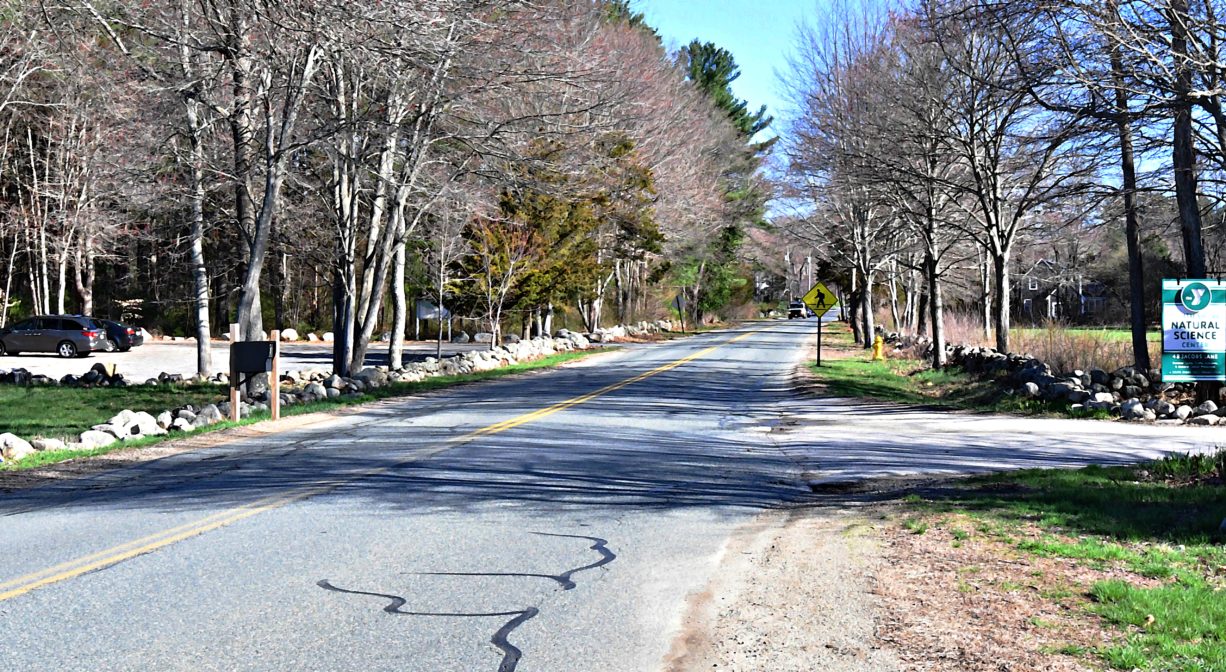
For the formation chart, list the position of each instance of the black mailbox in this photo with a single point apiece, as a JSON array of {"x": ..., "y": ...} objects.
[{"x": 251, "y": 356}]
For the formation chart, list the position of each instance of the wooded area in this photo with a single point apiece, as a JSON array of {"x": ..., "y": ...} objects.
[
  {"x": 951, "y": 147},
  {"x": 320, "y": 165}
]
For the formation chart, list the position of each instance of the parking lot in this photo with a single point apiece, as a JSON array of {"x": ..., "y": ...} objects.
[{"x": 155, "y": 357}]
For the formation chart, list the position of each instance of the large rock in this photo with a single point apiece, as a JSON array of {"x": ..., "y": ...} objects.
[
  {"x": 13, "y": 447},
  {"x": 1183, "y": 412},
  {"x": 461, "y": 337},
  {"x": 181, "y": 425},
  {"x": 207, "y": 416},
  {"x": 1103, "y": 397},
  {"x": 1132, "y": 409},
  {"x": 483, "y": 337},
  {"x": 1206, "y": 408},
  {"x": 315, "y": 391},
  {"x": 165, "y": 419},
  {"x": 1205, "y": 420},
  {"x": 371, "y": 377},
  {"x": 328, "y": 337},
  {"x": 47, "y": 444},
  {"x": 313, "y": 337},
  {"x": 289, "y": 334},
  {"x": 1031, "y": 390},
  {"x": 335, "y": 382},
  {"x": 96, "y": 439}
]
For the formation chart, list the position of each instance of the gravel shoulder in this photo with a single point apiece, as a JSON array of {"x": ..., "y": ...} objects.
[{"x": 793, "y": 590}]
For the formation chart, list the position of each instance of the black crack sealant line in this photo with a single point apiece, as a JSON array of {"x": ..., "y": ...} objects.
[{"x": 510, "y": 653}]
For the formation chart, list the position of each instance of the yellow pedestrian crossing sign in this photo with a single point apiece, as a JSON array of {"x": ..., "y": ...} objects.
[{"x": 819, "y": 299}]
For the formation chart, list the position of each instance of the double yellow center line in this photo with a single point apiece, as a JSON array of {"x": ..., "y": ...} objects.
[{"x": 147, "y": 544}]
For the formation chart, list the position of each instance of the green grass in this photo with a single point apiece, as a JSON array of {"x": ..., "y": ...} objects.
[
  {"x": 64, "y": 412},
  {"x": 1106, "y": 333},
  {"x": 1158, "y": 521},
  {"x": 907, "y": 381}
]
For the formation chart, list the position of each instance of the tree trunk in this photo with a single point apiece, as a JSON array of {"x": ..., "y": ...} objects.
[
  {"x": 1136, "y": 278},
  {"x": 395, "y": 349},
  {"x": 200, "y": 272},
  {"x": 985, "y": 281},
  {"x": 866, "y": 299},
  {"x": 1000, "y": 312},
  {"x": 342, "y": 317},
  {"x": 936, "y": 310},
  {"x": 1184, "y": 149}
]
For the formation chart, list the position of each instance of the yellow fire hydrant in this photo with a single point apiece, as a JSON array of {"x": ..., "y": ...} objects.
[{"x": 878, "y": 349}]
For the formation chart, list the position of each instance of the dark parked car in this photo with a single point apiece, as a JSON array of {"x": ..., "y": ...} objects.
[
  {"x": 65, "y": 335},
  {"x": 120, "y": 336}
]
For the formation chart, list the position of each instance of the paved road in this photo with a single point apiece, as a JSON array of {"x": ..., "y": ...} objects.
[
  {"x": 148, "y": 360},
  {"x": 554, "y": 522}
]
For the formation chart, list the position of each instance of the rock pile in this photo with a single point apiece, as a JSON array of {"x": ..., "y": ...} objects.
[
  {"x": 1127, "y": 392},
  {"x": 297, "y": 387}
]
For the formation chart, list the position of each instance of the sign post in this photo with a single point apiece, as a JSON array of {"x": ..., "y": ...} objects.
[
  {"x": 1193, "y": 331},
  {"x": 820, "y": 300}
]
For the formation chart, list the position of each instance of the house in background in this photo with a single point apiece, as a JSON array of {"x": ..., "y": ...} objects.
[{"x": 1050, "y": 291}]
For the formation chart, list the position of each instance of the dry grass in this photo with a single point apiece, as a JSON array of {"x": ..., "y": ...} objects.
[{"x": 1061, "y": 347}]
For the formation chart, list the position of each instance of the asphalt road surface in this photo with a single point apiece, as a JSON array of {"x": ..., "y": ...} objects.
[{"x": 551, "y": 522}]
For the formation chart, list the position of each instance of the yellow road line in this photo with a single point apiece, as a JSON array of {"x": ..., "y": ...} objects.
[{"x": 147, "y": 544}]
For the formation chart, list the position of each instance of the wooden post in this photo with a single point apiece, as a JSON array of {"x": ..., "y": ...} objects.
[
  {"x": 234, "y": 400},
  {"x": 274, "y": 377}
]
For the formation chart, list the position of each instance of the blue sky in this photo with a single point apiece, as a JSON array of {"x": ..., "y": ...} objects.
[{"x": 759, "y": 33}]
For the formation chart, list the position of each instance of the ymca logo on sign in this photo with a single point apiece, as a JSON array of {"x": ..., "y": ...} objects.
[{"x": 1195, "y": 297}]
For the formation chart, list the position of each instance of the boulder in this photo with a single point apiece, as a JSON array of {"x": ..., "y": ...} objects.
[
  {"x": 1207, "y": 408},
  {"x": 96, "y": 439},
  {"x": 1204, "y": 420},
  {"x": 1164, "y": 409},
  {"x": 186, "y": 414},
  {"x": 1103, "y": 397},
  {"x": 333, "y": 393},
  {"x": 181, "y": 425},
  {"x": 335, "y": 382},
  {"x": 1183, "y": 412},
  {"x": 208, "y": 415},
  {"x": 13, "y": 447},
  {"x": 510, "y": 338},
  {"x": 315, "y": 391},
  {"x": 1099, "y": 377},
  {"x": 372, "y": 377},
  {"x": 47, "y": 444},
  {"x": 313, "y": 337},
  {"x": 1132, "y": 409},
  {"x": 289, "y": 334},
  {"x": 461, "y": 337},
  {"x": 328, "y": 337},
  {"x": 1030, "y": 390}
]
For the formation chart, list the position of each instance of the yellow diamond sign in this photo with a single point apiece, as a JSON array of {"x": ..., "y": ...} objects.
[{"x": 819, "y": 299}]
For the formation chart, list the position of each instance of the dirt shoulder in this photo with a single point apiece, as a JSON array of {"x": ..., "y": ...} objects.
[
  {"x": 856, "y": 588},
  {"x": 793, "y": 591}
]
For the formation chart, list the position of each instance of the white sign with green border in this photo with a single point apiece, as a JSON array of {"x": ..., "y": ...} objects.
[{"x": 1193, "y": 330}]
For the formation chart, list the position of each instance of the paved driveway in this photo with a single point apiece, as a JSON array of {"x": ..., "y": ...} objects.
[{"x": 148, "y": 360}]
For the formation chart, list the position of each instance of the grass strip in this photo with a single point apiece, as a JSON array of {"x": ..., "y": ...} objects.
[
  {"x": 850, "y": 373},
  {"x": 1159, "y": 521},
  {"x": 93, "y": 406}
]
